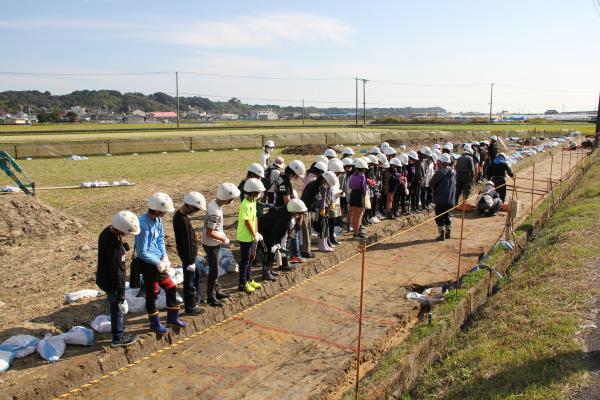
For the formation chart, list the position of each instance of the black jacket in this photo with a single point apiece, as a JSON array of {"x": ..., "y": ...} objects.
[
  {"x": 465, "y": 165},
  {"x": 185, "y": 238},
  {"x": 274, "y": 225},
  {"x": 498, "y": 170},
  {"x": 310, "y": 192},
  {"x": 493, "y": 150},
  {"x": 110, "y": 275},
  {"x": 443, "y": 184}
]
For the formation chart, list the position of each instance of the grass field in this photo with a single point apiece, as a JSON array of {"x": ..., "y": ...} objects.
[
  {"x": 524, "y": 344},
  {"x": 137, "y": 131}
]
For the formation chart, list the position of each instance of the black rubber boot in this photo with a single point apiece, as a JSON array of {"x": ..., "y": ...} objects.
[
  {"x": 214, "y": 302},
  {"x": 448, "y": 231},
  {"x": 442, "y": 235}
]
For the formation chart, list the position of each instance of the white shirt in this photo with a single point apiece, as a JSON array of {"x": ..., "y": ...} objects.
[
  {"x": 212, "y": 220},
  {"x": 264, "y": 159}
]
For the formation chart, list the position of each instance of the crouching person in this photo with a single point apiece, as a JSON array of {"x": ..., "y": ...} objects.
[
  {"x": 213, "y": 237},
  {"x": 110, "y": 275},
  {"x": 443, "y": 184},
  {"x": 488, "y": 201},
  {"x": 154, "y": 261},
  {"x": 187, "y": 248},
  {"x": 273, "y": 226}
]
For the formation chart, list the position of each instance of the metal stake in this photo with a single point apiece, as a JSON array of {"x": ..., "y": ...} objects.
[
  {"x": 363, "y": 249},
  {"x": 462, "y": 227}
]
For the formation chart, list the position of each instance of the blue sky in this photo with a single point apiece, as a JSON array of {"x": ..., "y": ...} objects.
[{"x": 540, "y": 53}]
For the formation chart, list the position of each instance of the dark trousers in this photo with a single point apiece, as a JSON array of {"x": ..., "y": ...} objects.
[
  {"x": 191, "y": 285},
  {"x": 463, "y": 186},
  {"x": 213, "y": 257},
  {"x": 152, "y": 281},
  {"x": 246, "y": 253},
  {"x": 415, "y": 194},
  {"x": 500, "y": 184},
  {"x": 117, "y": 324},
  {"x": 400, "y": 199},
  {"x": 445, "y": 219}
]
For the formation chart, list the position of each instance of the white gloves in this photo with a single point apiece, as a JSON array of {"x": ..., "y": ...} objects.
[
  {"x": 191, "y": 267},
  {"x": 124, "y": 307},
  {"x": 161, "y": 267},
  {"x": 226, "y": 242},
  {"x": 258, "y": 237}
]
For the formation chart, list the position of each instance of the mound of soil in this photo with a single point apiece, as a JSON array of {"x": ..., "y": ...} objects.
[
  {"x": 25, "y": 217},
  {"x": 305, "y": 150}
]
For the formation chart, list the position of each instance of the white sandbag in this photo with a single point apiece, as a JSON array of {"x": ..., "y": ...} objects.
[
  {"x": 176, "y": 274},
  {"x": 81, "y": 294},
  {"x": 51, "y": 348},
  {"x": 79, "y": 336},
  {"x": 6, "y": 358},
  {"x": 136, "y": 304},
  {"x": 101, "y": 324},
  {"x": 20, "y": 345}
]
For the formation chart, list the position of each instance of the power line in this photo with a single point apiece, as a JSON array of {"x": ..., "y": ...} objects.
[
  {"x": 430, "y": 84},
  {"x": 75, "y": 74},
  {"x": 543, "y": 90},
  {"x": 277, "y": 78}
]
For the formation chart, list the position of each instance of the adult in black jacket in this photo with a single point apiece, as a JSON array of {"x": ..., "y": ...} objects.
[
  {"x": 488, "y": 201},
  {"x": 274, "y": 225},
  {"x": 443, "y": 185},
  {"x": 187, "y": 249},
  {"x": 493, "y": 149},
  {"x": 465, "y": 170},
  {"x": 497, "y": 172},
  {"x": 110, "y": 275}
]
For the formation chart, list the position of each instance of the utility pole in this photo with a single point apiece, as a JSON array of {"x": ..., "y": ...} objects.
[
  {"x": 356, "y": 98},
  {"x": 491, "y": 100},
  {"x": 597, "y": 135},
  {"x": 302, "y": 112},
  {"x": 177, "y": 94},
  {"x": 364, "y": 81}
]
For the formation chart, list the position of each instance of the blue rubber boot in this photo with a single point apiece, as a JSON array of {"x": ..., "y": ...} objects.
[
  {"x": 173, "y": 320},
  {"x": 155, "y": 325}
]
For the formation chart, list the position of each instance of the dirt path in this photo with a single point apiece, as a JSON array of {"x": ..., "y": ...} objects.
[{"x": 300, "y": 344}]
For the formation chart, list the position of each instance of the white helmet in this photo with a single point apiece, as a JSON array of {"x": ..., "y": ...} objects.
[
  {"x": 227, "y": 191},
  {"x": 330, "y": 153},
  {"x": 426, "y": 150},
  {"x": 257, "y": 169},
  {"x": 253, "y": 185},
  {"x": 468, "y": 149},
  {"x": 321, "y": 158},
  {"x": 347, "y": 151},
  {"x": 335, "y": 165},
  {"x": 126, "y": 222},
  {"x": 347, "y": 162},
  {"x": 331, "y": 179},
  {"x": 396, "y": 162},
  {"x": 298, "y": 167},
  {"x": 486, "y": 142},
  {"x": 372, "y": 159},
  {"x": 195, "y": 199},
  {"x": 296, "y": 206},
  {"x": 413, "y": 154},
  {"x": 359, "y": 163},
  {"x": 448, "y": 146},
  {"x": 375, "y": 150},
  {"x": 160, "y": 202},
  {"x": 270, "y": 143},
  {"x": 445, "y": 159},
  {"x": 389, "y": 151},
  {"x": 385, "y": 165},
  {"x": 434, "y": 157},
  {"x": 494, "y": 138},
  {"x": 489, "y": 183},
  {"x": 403, "y": 158},
  {"x": 436, "y": 146},
  {"x": 384, "y": 145},
  {"x": 402, "y": 147},
  {"x": 382, "y": 158},
  {"x": 437, "y": 152},
  {"x": 322, "y": 166}
]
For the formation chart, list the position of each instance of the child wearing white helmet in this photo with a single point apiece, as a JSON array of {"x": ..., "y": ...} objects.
[
  {"x": 153, "y": 262},
  {"x": 213, "y": 237},
  {"x": 111, "y": 272},
  {"x": 265, "y": 157},
  {"x": 271, "y": 175},
  {"x": 358, "y": 187},
  {"x": 414, "y": 178},
  {"x": 443, "y": 185},
  {"x": 187, "y": 249},
  {"x": 248, "y": 235},
  {"x": 254, "y": 170}
]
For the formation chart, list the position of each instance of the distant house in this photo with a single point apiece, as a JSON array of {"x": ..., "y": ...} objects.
[
  {"x": 194, "y": 115},
  {"x": 165, "y": 116},
  {"x": 263, "y": 115},
  {"x": 229, "y": 117},
  {"x": 551, "y": 112},
  {"x": 14, "y": 120},
  {"x": 139, "y": 113},
  {"x": 134, "y": 119}
]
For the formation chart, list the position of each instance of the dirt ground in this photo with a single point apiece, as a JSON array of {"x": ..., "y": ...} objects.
[{"x": 259, "y": 353}]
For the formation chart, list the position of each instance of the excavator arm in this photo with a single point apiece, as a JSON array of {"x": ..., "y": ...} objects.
[{"x": 10, "y": 166}]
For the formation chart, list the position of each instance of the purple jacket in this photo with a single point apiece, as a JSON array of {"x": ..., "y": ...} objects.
[{"x": 358, "y": 182}]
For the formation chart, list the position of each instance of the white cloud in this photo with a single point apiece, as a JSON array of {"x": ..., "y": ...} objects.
[{"x": 263, "y": 30}]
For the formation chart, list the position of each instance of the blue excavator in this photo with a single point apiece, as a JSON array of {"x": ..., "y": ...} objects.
[{"x": 14, "y": 171}]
